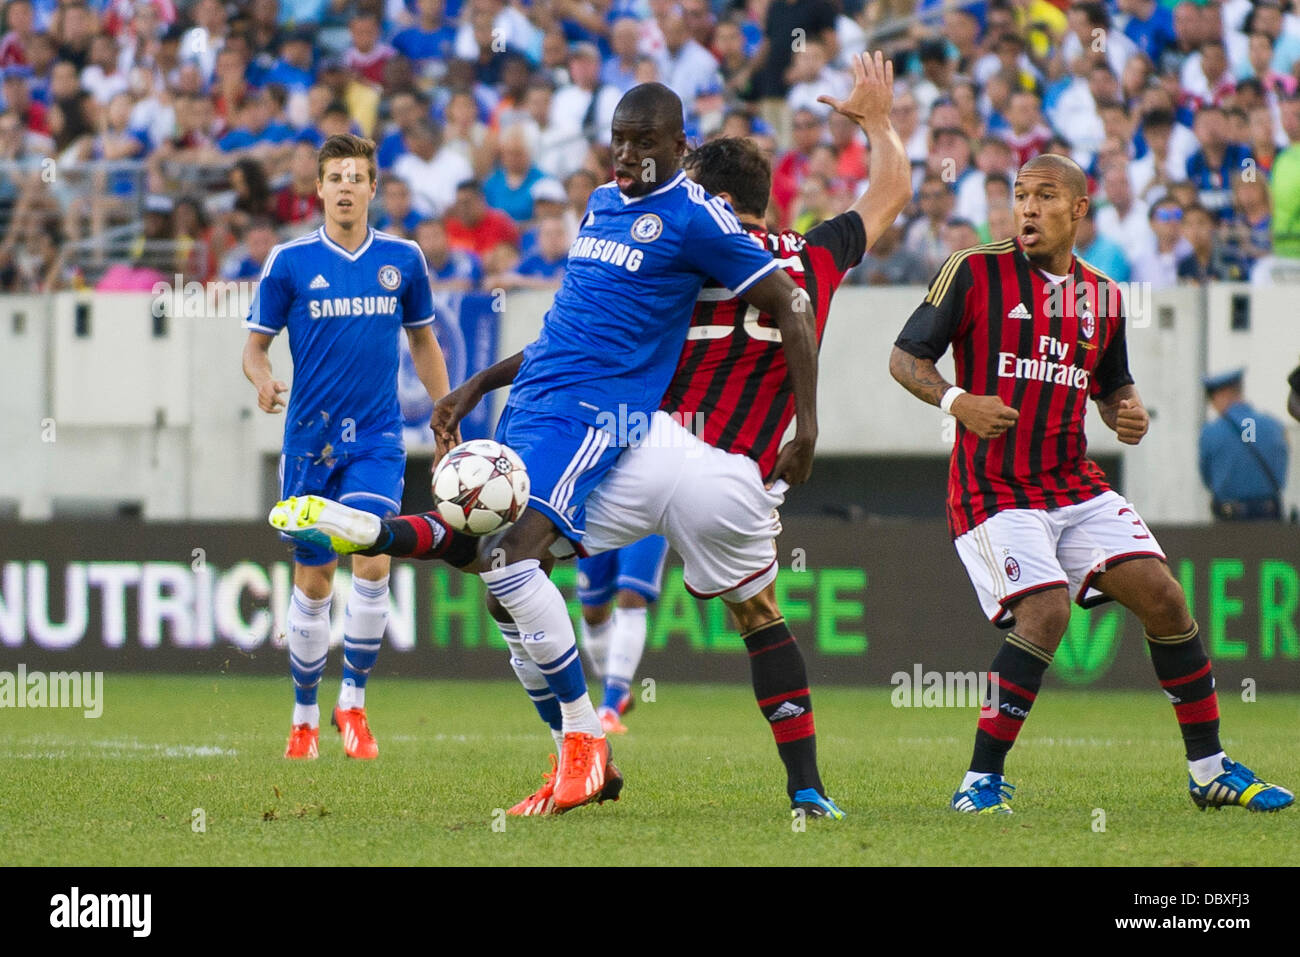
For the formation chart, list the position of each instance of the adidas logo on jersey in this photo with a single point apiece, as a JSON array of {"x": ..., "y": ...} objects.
[
  {"x": 787, "y": 710},
  {"x": 319, "y": 283},
  {"x": 1020, "y": 312}
]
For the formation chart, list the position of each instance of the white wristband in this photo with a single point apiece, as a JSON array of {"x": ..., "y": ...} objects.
[{"x": 950, "y": 397}]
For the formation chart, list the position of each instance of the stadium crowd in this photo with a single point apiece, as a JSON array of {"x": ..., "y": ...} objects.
[{"x": 144, "y": 138}]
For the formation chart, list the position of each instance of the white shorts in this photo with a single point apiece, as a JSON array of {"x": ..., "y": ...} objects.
[
  {"x": 711, "y": 506},
  {"x": 1023, "y": 550}
]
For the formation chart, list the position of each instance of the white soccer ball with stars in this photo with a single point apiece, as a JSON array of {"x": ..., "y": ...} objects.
[{"x": 480, "y": 487}]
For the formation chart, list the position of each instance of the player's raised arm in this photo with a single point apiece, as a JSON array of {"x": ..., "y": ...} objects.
[
  {"x": 926, "y": 337},
  {"x": 868, "y": 105},
  {"x": 777, "y": 295}
]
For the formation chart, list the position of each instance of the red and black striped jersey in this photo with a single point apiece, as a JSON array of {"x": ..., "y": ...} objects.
[
  {"x": 731, "y": 387},
  {"x": 1044, "y": 348}
]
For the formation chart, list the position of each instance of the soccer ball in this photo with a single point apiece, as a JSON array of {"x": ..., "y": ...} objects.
[{"x": 480, "y": 487}]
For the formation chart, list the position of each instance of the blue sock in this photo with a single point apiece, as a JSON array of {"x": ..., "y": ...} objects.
[
  {"x": 548, "y": 707},
  {"x": 564, "y": 675},
  {"x": 534, "y": 682},
  {"x": 359, "y": 656},
  {"x": 616, "y": 690},
  {"x": 306, "y": 678}
]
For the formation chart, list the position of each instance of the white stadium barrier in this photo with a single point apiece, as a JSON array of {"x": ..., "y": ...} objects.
[{"x": 105, "y": 403}]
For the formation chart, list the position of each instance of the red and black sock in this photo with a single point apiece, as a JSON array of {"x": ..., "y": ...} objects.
[
  {"x": 1014, "y": 679},
  {"x": 1185, "y": 674},
  {"x": 424, "y": 536},
  {"x": 781, "y": 687}
]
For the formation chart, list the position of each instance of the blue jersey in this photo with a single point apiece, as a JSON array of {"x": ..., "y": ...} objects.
[
  {"x": 612, "y": 338},
  {"x": 344, "y": 311}
]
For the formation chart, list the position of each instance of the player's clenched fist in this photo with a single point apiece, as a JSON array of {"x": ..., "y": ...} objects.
[
  {"x": 985, "y": 415},
  {"x": 1131, "y": 422},
  {"x": 268, "y": 395}
]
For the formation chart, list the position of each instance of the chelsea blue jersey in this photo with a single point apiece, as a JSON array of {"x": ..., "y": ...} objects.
[
  {"x": 344, "y": 312},
  {"x": 613, "y": 336}
]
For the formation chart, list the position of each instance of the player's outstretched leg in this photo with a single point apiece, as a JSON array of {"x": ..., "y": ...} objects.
[
  {"x": 1147, "y": 588},
  {"x": 1014, "y": 680},
  {"x": 780, "y": 682},
  {"x": 347, "y": 530},
  {"x": 309, "y": 640},
  {"x": 538, "y": 609}
]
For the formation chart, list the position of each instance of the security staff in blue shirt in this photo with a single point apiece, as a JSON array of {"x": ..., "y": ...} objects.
[{"x": 1243, "y": 453}]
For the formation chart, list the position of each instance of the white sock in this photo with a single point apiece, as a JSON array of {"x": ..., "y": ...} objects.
[
  {"x": 970, "y": 778},
  {"x": 308, "y": 626},
  {"x": 580, "y": 716},
  {"x": 627, "y": 645},
  {"x": 350, "y": 696},
  {"x": 365, "y": 620},
  {"x": 538, "y": 608},
  {"x": 1205, "y": 770},
  {"x": 595, "y": 642}
]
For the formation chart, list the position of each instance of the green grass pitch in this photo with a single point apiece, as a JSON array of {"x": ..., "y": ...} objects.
[{"x": 704, "y": 785}]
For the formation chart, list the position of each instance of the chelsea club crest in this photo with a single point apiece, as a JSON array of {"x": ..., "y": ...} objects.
[
  {"x": 390, "y": 277},
  {"x": 647, "y": 228}
]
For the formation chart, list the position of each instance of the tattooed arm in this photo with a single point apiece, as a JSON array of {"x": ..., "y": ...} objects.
[{"x": 918, "y": 376}]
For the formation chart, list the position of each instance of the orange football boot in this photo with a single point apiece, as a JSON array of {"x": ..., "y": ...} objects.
[
  {"x": 358, "y": 742},
  {"x": 302, "y": 744},
  {"x": 610, "y": 722},
  {"x": 542, "y": 801},
  {"x": 581, "y": 776}
]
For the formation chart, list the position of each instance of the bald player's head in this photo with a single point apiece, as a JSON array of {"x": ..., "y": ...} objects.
[
  {"x": 647, "y": 138},
  {"x": 651, "y": 104},
  {"x": 1063, "y": 168},
  {"x": 1050, "y": 198}
]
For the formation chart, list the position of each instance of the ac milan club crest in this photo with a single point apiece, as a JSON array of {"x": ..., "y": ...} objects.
[
  {"x": 1088, "y": 323},
  {"x": 1012, "y": 568}
]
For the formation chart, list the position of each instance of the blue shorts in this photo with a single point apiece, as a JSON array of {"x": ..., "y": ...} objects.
[
  {"x": 566, "y": 459},
  {"x": 638, "y": 567},
  {"x": 369, "y": 479}
]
